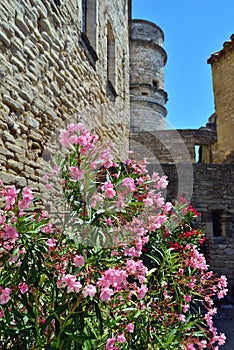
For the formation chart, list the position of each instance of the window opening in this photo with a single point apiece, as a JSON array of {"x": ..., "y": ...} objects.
[
  {"x": 110, "y": 54},
  {"x": 111, "y": 63},
  {"x": 198, "y": 153},
  {"x": 155, "y": 83},
  {"x": 217, "y": 223},
  {"x": 89, "y": 30}
]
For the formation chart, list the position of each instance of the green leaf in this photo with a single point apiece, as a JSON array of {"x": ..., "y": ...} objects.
[{"x": 171, "y": 336}]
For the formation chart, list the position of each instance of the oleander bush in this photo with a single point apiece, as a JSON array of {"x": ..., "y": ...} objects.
[{"x": 124, "y": 271}]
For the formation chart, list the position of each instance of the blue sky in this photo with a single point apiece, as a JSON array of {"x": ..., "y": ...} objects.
[{"x": 194, "y": 29}]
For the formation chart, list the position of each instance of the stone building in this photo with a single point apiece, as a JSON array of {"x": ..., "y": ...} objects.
[
  {"x": 86, "y": 60},
  {"x": 60, "y": 61}
]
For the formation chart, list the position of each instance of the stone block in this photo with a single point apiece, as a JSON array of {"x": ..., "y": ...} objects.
[
  {"x": 20, "y": 22},
  {"x": 229, "y": 251},
  {"x": 4, "y": 39},
  {"x": 17, "y": 166},
  {"x": 11, "y": 179},
  {"x": 35, "y": 136},
  {"x": 16, "y": 106},
  {"x": 15, "y": 149},
  {"x": 32, "y": 122},
  {"x": 44, "y": 24},
  {"x": 17, "y": 63},
  {"x": 8, "y": 29},
  {"x": 7, "y": 137}
]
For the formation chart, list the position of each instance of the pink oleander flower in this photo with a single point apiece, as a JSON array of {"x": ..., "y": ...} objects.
[
  {"x": 9, "y": 232},
  {"x": 79, "y": 260},
  {"x": 109, "y": 189},
  {"x": 162, "y": 183},
  {"x": 167, "y": 207},
  {"x": 182, "y": 318},
  {"x": 64, "y": 138},
  {"x": 107, "y": 159},
  {"x": 90, "y": 290},
  {"x": 113, "y": 277},
  {"x": 130, "y": 327},
  {"x": 106, "y": 294},
  {"x": 71, "y": 283},
  {"x": 76, "y": 127},
  {"x": 187, "y": 298},
  {"x": 221, "y": 293},
  {"x": 222, "y": 282},
  {"x": 221, "y": 339},
  {"x": 11, "y": 195},
  {"x": 197, "y": 260},
  {"x": 129, "y": 183},
  {"x": 190, "y": 346},
  {"x": 76, "y": 173},
  {"x": 110, "y": 344},
  {"x": 121, "y": 338},
  {"x": 27, "y": 198},
  {"x": 56, "y": 170},
  {"x": 185, "y": 308},
  {"x": 27, "y": 193},
  {"x": 141, "y": 292},
  {"x": 5, "y": 295},
  {"x": 48, "y": 228},
  {"x": 108, "y": 222},
  {"x": 51, "y": 243},
  {"x": 155, "y": 177},
  {"x": 23, "y": 287}
]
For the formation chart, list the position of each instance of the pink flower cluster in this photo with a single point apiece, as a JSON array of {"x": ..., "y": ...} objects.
[
  {"x": 108, "y": 188},
  {"x": 197, "y": 260},
  {"x": 111, "y": 343},
  {"x": 76, "y": 173},
  {"x": 10, "y": 196},
  {"x": 77, "y": 135},
  {"x": 71, "y": 283},
  {"x": 27, "y": 197},
  {"x": 4, "y": 295}
]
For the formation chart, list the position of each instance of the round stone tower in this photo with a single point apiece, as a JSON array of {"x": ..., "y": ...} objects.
[{"x": 147, "y": 61}]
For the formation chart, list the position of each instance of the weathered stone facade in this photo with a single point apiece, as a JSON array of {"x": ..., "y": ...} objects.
[
  {"x": 60, "y": 62},
  {"x": 222, "y": 64}
]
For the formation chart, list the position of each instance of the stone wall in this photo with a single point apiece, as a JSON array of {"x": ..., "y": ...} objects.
[
  {"x": 171, "y": 146},
  {"x": 222, "y": 64},
  {"x": 52, "y": 73}
]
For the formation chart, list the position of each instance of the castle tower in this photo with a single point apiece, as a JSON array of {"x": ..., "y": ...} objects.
[{"x": 147, "y": 61}]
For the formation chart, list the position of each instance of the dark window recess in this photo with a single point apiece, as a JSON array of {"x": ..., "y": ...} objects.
[
  {"x": 144, "y": 94},
  {"x": 217, "y": 223},
  {"x": 89, "y": 30},
  {"x": 155, "y": 83},
  {"x": 88, "y": 49},
  {"x": 111, "y": 64},
  {"x": 57, "y": 2},
  {"x": 110, "y": 91},
  {"x": 84, "y": 16}
]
